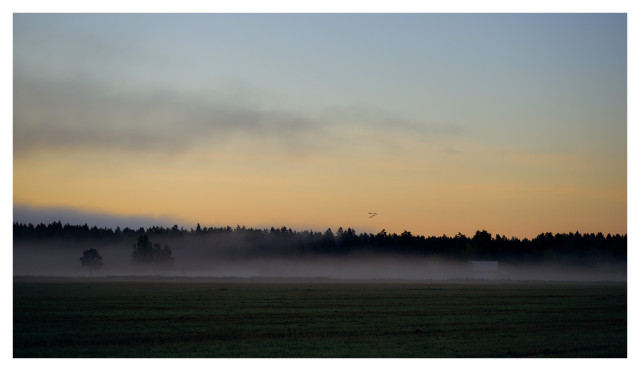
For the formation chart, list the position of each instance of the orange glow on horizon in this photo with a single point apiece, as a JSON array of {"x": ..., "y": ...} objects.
[{"x": 330, "y": 194}]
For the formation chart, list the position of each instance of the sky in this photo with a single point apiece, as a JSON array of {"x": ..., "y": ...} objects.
[{"x": 439, "y": 123}]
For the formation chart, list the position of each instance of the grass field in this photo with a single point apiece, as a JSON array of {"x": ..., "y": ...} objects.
[{"x": 91, "y": 318}]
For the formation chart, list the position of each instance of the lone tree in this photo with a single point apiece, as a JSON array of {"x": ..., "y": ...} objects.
[
  {"x": 146, "y": 254},
  {"x": 91, "y": 259}
]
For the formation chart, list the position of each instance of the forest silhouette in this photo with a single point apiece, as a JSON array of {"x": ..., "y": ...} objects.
[{"x": 238, "y": 243}]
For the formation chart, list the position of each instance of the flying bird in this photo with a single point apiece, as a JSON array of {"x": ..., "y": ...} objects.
[{"x": 371, "y": 215}]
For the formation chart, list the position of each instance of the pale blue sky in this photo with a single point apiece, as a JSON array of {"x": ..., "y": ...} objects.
[{"x": 528, "y": 80}]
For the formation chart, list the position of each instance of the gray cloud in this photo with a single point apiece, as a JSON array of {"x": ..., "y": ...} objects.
[
  {"x": 35, "y": 215},
  {"x": 73, "y": 114},
  {"x": 379, "y": 119},
  {"x": 69, "y": 115}
]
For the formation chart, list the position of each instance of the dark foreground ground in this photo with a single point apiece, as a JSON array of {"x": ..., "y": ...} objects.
[{"x": 199, "y": 318}]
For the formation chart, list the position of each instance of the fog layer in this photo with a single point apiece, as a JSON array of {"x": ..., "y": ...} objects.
[
  {"x": 37, "y": 260},
  {"x": 56, "y": 250}
]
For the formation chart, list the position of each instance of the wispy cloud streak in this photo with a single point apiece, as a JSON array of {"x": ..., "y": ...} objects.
[
  {"x": 54, "y": 115},
  {"x": 67, "y": 115},
  {"x": 43, "y": 214}
]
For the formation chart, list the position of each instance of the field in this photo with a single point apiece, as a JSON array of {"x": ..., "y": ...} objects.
[{"x": 197, "y": 318}]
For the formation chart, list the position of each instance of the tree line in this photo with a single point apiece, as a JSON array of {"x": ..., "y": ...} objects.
[{"x": 241, "y": 242}]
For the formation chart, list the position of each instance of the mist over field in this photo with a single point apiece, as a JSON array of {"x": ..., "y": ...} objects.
[
  {"x": 233, "y": 256},
  {"x": 248, "y": 292}
]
